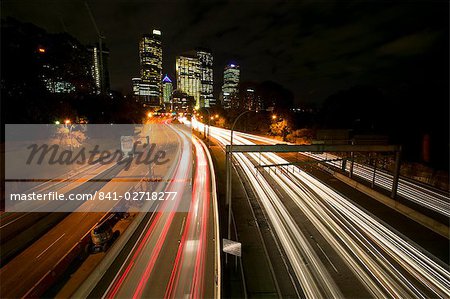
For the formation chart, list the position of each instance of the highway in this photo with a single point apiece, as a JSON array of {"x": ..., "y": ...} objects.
[
  {"x": 427, "y": 197},
  {"x": 21, "y": 229},
  {"x": 382, "y": 260},
  {"x": 32, "y": 264},
  {"x": 176, "y": 253}
]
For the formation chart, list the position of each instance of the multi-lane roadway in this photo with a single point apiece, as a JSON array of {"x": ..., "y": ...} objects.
[
  {"x": 387, "y": 264},
  {"x": 177, "y": 252},
  {"x": 186, "y": 227}
]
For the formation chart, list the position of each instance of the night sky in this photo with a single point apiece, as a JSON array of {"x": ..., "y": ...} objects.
[{"x": 313, "y": 48}]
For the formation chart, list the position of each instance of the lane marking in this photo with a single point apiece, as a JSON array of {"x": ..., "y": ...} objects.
[
  {"x": 14, "y": 220},
  {"x": 50, "y": 246},
  {"x": 182, "y": 225},
  {"x": 327, "y": 258}
]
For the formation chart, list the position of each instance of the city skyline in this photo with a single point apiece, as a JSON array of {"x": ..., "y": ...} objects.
[
  {"x": 364, "y": 29},
  {"x": 224, "y": 149}
]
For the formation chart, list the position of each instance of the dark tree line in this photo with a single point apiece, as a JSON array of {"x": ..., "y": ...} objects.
[{"x": 32, "y": 59}]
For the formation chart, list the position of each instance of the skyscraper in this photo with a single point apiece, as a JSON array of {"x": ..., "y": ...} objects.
[
  {"x": 251, "y": 100},
  {"x": 137, "y": 86},
  {"x": 206, "y": 78},
  {"x": 230, "y": 84},
  {"x": 99, "y": 69},
  {"x": 188, "y": 75},
  {"x": 167, "y": 90},
  {"x": 150, "y": 53}
]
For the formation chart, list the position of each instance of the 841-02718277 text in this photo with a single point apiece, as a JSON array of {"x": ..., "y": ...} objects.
[{"x": 136, "y": 195}]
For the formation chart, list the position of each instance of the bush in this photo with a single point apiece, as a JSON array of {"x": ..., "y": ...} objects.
[{"x": 301, "y": 136}]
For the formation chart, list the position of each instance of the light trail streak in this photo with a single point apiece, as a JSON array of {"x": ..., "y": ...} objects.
[
  {"x": 141, "y": 263},
  {"x": 386, "y": 263},
  {"x": 308, "y": 268},
  {"x": 414, "y": 192},
  {"x": 188, "y": 273}
]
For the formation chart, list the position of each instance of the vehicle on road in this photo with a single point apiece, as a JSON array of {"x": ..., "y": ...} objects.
[{"x": 102, "y": 235}]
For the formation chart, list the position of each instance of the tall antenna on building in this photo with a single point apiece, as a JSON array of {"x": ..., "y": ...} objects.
[{"x": 100, "y": 42}]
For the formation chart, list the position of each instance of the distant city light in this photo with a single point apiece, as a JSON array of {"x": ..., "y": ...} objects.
[
  {"x": 232, "y": 65},
  {"x": 41, "y": 50},
  {"x": 67, "y": 121},
  {"x": 157, "y": 32},
  {"x": 57, "y": 122}
]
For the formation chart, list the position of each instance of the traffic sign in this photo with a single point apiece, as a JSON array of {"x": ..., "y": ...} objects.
[{"x": 126, "y": 143}]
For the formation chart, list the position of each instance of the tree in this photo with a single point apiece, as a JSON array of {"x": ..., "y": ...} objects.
[{"x": 280, "y": 128}]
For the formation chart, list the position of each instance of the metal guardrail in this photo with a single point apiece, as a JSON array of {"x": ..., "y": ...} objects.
[{"x": 289, "y": 148}]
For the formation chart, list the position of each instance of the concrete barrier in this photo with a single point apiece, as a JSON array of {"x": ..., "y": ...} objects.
[
  {"x": 418, "y": 217},
  {"x": 217, "y": 263}
]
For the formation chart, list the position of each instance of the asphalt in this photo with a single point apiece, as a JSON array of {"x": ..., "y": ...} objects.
[
  {"x": 430, "y": 241},
  {"x": 264, "y": 273},
  {"x": 25, "y": 270},
  {"x": 151, "y": 265}
]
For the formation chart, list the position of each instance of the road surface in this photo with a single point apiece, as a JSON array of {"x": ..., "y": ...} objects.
[
  {"x": 176, "y": 253},
  {"x": 382, "y": 260},
  {"x": 39, "y": 258}
]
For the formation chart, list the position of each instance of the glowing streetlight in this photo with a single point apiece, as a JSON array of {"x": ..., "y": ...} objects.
[
  {"x": 216, "y": 116},
  {"x": 57, "y": 122},
  {"x": 67, "y": 121},
  {"x": 149, "y": 115},
  {"x": 274, "y": 117},
  {"x": 212, "y": 118}
]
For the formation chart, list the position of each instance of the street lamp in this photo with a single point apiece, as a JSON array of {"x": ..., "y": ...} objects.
[
  {"x": 274, "y": 117},
  {"x": 229, "y": 160}
]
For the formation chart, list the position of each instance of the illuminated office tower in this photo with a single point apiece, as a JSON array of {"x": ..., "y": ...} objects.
[
  {"x": 150, "y": 53},
  {"x": 206, "y": 78},
  {"x": 99, "y": 68},
  {"x": 251, "y": 100},
  {"x": 188, "y": 76},
  {"x": 230, "y": 84},
  {"x": 167, "y": 90},
  {"x": 136, "y": 86}
]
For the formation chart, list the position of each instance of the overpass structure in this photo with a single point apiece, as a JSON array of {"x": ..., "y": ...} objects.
[{"x": 319, "y": 148}]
